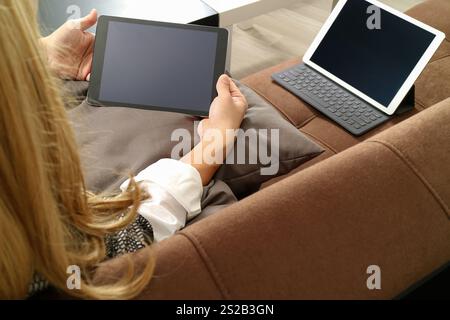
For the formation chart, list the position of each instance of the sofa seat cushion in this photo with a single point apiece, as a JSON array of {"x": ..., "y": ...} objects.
[
  {"x": 333, "y": 139},
  {"x": 306, "y": 118}
]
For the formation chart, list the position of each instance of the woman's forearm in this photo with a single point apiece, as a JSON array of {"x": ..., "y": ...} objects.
[
  {"x": 207, "y": 171},
  {"x": 209, "y": 155}
]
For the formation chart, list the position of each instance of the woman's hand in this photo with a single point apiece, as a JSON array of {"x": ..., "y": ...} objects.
[
  {"x": 225, "y": 116},
  {"x": 227, "y": 110},
  {"x": 70, "y": 48}
]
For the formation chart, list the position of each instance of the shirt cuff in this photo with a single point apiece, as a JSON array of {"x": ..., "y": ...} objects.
[{"x": 180, "y": 180}]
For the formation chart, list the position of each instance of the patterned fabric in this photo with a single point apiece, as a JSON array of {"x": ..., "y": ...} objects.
[
  {"x": 131, "y": 239},
  {"x": 135, "y": 237},
  {"x": 38, "y": 284}
]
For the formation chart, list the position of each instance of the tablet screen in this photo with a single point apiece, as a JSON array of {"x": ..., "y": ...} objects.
[
  {"x": 158, "y": 66},
  {"x": 374, "y": 61}
]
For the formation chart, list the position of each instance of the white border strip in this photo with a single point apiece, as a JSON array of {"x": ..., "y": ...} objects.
[{"x": 236, "y": 11}]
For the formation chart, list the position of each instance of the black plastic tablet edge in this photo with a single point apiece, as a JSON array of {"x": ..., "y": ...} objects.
[
  {"x": 98, "y": 59},
  {"x": 221, "y": 60}
]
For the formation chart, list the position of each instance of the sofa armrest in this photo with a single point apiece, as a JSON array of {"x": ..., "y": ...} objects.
[{"x": 384, "y": 202}]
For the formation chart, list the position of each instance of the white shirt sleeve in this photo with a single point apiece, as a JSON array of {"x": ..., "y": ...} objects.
[{"x": 175, "y": 191}]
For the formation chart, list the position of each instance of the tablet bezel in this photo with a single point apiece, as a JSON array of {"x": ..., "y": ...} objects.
[
  {"x": 409, "y": 82},
  {"x": 99, "y": 54}
]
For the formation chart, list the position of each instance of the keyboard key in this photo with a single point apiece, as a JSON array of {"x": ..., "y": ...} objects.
[
  {"x": 366, "y": 120},
  {"x": 290, "y": 76},
  {"x": 358, "y": 121}
]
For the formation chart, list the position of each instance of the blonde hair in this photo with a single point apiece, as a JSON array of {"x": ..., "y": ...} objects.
[{"x": 48, "y": 221}]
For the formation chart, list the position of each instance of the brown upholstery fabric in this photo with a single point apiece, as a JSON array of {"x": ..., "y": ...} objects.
[
  {"x": 181, "y": 272},
  {"x": 424, "y": 152},
  {"x": 383, "y": 202},
  {"x": 433, "y": 85}
]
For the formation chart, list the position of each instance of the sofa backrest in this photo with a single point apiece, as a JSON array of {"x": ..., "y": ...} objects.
[{"x": 433, "y": 85}]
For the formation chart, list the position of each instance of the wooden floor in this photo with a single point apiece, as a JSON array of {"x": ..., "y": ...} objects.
[{"x": 284, "y": 34}]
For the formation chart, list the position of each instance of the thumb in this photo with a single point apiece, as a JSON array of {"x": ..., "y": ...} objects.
[
  {"x": 202, "y": 127},
  {"x": 88, "y": 21},
  {"x": 223, "y": 86}
]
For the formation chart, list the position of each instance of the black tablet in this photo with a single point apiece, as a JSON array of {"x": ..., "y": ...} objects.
[{"x": 156, "y": 65}]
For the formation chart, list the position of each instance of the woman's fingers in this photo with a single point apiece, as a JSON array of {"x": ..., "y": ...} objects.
[
  {"x": 202, "y": 126},
  {"x": 88, "y": 21},
  {"x": 234, "y": 90},
  {"x": 223, "y": 86},
  {"x": 237, "y": 95}
]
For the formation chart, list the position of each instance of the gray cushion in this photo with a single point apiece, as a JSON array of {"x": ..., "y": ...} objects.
[{"x": 118, "y": 141}]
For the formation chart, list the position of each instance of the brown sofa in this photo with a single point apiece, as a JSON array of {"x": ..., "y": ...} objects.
[{"x": 381, "y": 199}]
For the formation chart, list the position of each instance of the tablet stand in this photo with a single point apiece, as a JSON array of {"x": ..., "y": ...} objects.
[{"x": 408, "y": 103}]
